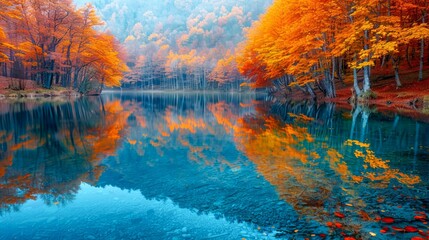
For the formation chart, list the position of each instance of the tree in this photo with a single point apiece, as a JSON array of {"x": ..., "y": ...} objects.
[
  {"x": 52, "y": 41},
  {"x": 288, "y": 44}
]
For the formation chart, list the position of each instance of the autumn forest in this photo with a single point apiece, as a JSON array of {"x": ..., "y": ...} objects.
[
  {"x": 196, "y": 45},
  {"x": 214, "y": 119}
]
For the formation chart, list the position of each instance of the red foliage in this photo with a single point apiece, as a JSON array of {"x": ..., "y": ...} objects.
[{"x": 388, "y": 220}]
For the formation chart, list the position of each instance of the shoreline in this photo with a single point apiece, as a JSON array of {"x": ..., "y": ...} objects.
[{"x": 416, "y": 107}]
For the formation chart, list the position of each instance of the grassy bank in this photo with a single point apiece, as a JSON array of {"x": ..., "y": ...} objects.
[{"x": 23, "y": 88}]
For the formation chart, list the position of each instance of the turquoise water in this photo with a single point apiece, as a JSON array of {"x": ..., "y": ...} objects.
[{"x": 174, "y": 166}]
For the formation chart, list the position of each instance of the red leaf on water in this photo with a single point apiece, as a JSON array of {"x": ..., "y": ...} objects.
[
  {"x": 423, "y": 233},
  {"x": 338, "y": 214},
  {"x": 417, "y": 238},
  {"x": 410, "y": 229},
  {"x": 329, "y": 224},
  {"x": 388, "y": 220},
  {"x": 384, "y": 230},
  {"x": 322, "y": 235},
  {"x": 398, "y": 229},
  {"x": 421, "y": 218},
  {"x": 338, "y": 225},
  {"x": 349, "y": 238}
]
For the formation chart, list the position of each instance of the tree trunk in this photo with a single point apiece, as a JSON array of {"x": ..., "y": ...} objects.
[
  {"x": 355, "y": 82},
  {"x": 366, "y": 69},
  {"x": 422, "y": 49}
]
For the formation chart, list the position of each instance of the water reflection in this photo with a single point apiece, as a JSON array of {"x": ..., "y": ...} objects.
[
  {"x": 294, "y": 166},
  {"x": 48, "y": 149}
]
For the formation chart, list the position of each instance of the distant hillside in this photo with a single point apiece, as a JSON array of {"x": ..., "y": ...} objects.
[{"x": 190, "y": 42}]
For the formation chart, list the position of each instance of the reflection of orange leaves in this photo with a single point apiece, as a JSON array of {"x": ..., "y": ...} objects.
[
  {"x": 5, "y": 163},
  {"x": 374, "y": 161},
  {"x": 357, "y": 179},
  {"x": 132, "y": 142},
  {"x": 30, "y": 144},
  {"x": 107, "y": 137},
  {"x": 301, "y": 117},
  {"x": 95, "y": 175},
  {"x": 223, "y": 114},
  {"x": 20, "y": 182},
  {"x": 350, "y": 142},
  {"x": 407, "y": 179},
  {"x": 113, "y": 107},
  {"x": 142, "y": 121},
  {"x": 343, "y": 169},
  {"x": 382, "y": 179},
  {"x": 189, "y": 123},
  {"x": 359, "y": 154},
  {"x": 246, "y": 105},
  {"x": 334, "y": 155},
  {"x": 157, "y": 142},
  {"x": 314, "y": 155}
]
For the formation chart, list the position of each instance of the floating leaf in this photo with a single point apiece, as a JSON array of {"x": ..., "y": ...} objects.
[
  {"x": 384, "y": 230},
  {"x": 340, "y": 215},
  {"x": 398, "y": 229},
  {"x": 421, "y": 218},
  {"x": 349, "y": 238},
  {"x": 388, "y": 220},
  {"x": 410, "y": 229}
]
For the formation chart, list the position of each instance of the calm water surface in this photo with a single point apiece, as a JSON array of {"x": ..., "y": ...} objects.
[{"x": 144, "y": 166}]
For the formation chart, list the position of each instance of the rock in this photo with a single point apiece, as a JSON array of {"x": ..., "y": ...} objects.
[{"x": 184, "y": 229}]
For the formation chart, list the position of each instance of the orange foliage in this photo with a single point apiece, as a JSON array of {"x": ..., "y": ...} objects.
[
  {"x": 54, "y": 37},
  {"x": 308, "y": 39}
]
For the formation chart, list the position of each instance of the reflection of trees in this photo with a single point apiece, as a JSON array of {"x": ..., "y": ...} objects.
[
  {"x": 48, "y": 149},
  {"x": 181, "y": 125},
  {"x": 301, "y": 150},
  {"x": 311, "y": 161}
]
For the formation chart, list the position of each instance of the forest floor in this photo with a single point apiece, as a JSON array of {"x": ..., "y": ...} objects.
[
  {"x": 30, "y": 89},
  {"x": 412, "y": 99}
]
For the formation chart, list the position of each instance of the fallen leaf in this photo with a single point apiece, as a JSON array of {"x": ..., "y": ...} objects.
[
  {"x": 421, "y": 218},
  {"x": 338, "y": 214},
  {"x": 388, "y": 220},
  {"x": 423, "y": 233},
  {"x": 384, "y": 230},
  {"x": 398, "y": 229},
  {"x": 410, "y": 229},
  {"x": 372, "y": 234}
]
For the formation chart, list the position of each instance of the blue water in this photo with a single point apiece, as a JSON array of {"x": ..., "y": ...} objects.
[{"x": 195, "y": 166}]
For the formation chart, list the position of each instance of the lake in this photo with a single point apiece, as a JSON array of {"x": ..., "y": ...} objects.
[{"x": 209, "y": 166}]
